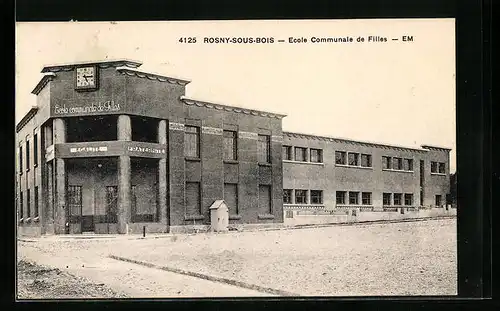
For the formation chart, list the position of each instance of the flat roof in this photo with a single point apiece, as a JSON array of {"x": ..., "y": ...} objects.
[
  {"x": 116, "y": 62},
  {"x": 348, "y": 140}
]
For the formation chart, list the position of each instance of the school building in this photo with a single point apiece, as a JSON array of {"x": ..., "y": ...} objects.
[{"x": 109, "y": 148}]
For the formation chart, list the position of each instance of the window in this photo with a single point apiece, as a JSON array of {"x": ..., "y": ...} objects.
[
  {"x": 27, "y": 155},
  {"x": 398, "y": 163},
  {"x": 230, "y": 148},
  {"x": 386, "y": 199},
  {"x": 441, "y": 168},
  {"x": 193, "y": 204},
  {"x": 35, "y": 212},
  {"x": 300, "y": 154},
  {"x": 438, "y": 200},
  {"x": 366, "y": 160},
  {"x": 353, "y": 159},
  {"x": 28, "y": 207},
  {"x": 353, "y": 197},
  {"x": 397, "y": 198},
  {"x": 35, "y": 149},
  {"x": 263, "y": 149},
  {"x": 231, "y": 198},
  {"x": 316, "y": 155},
  {"x": 21, "y": 159},
  {"x": 287, "y": 153},
  {"x": 408, "y": 199},
  {"x": 386, "y": 163},
  {"x": 21, "y": 205},
  {"x": 316, "y": 197},
  {"x": 192, "y": 141},
  {"x": 340, "y": 157},
  {"x": 434, "y": 167},
  {"x": 366, "y": 198},
  {"x": 265, "y": 205},
  {"x": 301, "y": 196},
  {"x": 408, "y": 165},
  {"x": 287, "y": 196},
  {"x": 340, "y": 197}
]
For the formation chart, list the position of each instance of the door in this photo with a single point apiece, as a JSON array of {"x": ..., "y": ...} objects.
[
  {"x": 111, "y": 204},
  {"x": 74, "y": 197}
]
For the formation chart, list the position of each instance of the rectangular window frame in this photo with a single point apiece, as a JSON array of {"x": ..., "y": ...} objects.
[
  {"x": 302, "y": 194},
  {"x": 398, "y": 199},
  {"x": 386, "y": 163},
  {"x": 36, "y": 203},
  {"x": 434, "y": 168},
  {"x": 264, "y": 148},
  {"x": 368, "y": 160},
  {"x": 386, "y": 199},
  {"x": 35, "y": 149},
  {"x": 230, "y": 139},
  {"x": 21, "y": 160},
  {"x": 287, "y": 196},
  {"x": 356, "y": 159},
  {"x": 316, "y": 196},
  {"x": 397, "y": 164},
  {"x": 408, "y": 164},
  {"x": 438, "y": 200},
  {"x": 408, "y": 198},
  {"x": 340, "y": 158},
  {"x": 27, "y": 155},
  {"x": 287, "y": 153},
  {"x": 340, "y": 197},
  {"x": 194, "y": 132},
  {"x": 441, "y": 168},
  {"x": 366, "y": 198},
  {"x": 318, "y": 158},
  {"x": 303, "y": 154},
  {"x": 353, "y": 197}
]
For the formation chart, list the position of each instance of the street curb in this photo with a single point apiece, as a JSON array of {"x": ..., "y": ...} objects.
[{"x": 254, "y": 287}]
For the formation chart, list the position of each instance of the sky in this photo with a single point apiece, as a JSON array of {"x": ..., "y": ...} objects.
[{"x": 394, "y": 92}]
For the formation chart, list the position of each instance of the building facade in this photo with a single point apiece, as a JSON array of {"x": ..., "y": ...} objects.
[{"x": 112, "y": 149}]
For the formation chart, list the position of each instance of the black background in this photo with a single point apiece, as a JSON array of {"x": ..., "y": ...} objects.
[{"x": 477, "y": 168}]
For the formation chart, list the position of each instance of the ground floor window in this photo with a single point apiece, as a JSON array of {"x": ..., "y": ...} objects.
[
  {"x": 386, "y": 199},
  {"x": 74, "y": 197},
  {"x": 301, "y": 196},
  {"x": 366, "y": 198},
  {"x": 340, "y": 197},
  {"x": 397, "y": 198},
  {"x": 21, "y": 206},
  {"x": 28, "y": 201},
  {"x": 287, "y": 196},
  {"x": 231, "y": 197},
  {"x": 265, "y": 205},
  {"x": 408, "y": 199},
  {"x": 35, "y": 211},
  {"x": 193, "y": 203},
  {"x": 438, "y": 200},
  {"x": 353, "y": 197},
  {"x": 316, "y": 197}
]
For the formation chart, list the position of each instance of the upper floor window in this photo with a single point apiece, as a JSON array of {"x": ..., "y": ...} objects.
[
  {"x": 27, "y": 154},
  {"x": 340, "y": 157},
  {"x": 434, "y": 167},
  {"x": 353, "y": 159},
  {"x": 316, "y": 197},
  {"x": 300, "y": 154},
  {"x": 366, "y": 160},
  {"x": 264, "y": 149},
  {"x": 192, "y": 141},
  {"x": 230, "y": 147},
  {"x": 397, "y": 163},
  {"x": 408, "y": 164},
  {"x": 287, "y": 153},
  {"x": 21, "y": 159},
  {"x": 386, "y": 163},
  {"x": 441, "y": 168},
  {"x": 35, "y": 149},
  {"x": 316, "y": 155}
]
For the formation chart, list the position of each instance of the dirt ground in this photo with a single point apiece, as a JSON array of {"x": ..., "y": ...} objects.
[
  {"x": 38, "y": 282},
  {"x": 408, "y": 258}
]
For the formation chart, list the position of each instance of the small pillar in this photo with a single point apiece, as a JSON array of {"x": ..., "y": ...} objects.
[
  {"x": 162, "y": 174},
  {"x": 124, "y": 129},
  {"x": 60, "y": 208}
]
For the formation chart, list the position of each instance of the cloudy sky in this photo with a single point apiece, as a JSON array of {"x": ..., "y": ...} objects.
[{"x": 391, "y": 92}]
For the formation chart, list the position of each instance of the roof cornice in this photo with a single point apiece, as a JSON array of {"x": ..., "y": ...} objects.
[
  {"x": 152, "y": 76},
  {"x": 48, "y": 76},
  {"x": 26, "y": 118},
  {"x": 199, "y": 103},
  {"x": 100, "y": 64},
  {"x": 350, "y": 141},
  {"x": 437, "y": 148}
]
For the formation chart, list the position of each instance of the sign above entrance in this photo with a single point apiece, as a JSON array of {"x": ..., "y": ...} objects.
[
  {"x": 110, "y": 149},
  {"x": 146, "y": 149},
  {"x": 88, "y": 149}
]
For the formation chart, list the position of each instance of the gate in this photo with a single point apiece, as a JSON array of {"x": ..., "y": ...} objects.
[
  {"x": 111, "y": 204},
  {"x": 74, "y": 197}
]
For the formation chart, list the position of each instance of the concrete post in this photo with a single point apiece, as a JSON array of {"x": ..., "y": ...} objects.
[
  {"x": 124, "y": 128},
  {"x": 59, "y": 137},
  {"x": 49, "y": 223},
  {"x": 162, "y": 174}
]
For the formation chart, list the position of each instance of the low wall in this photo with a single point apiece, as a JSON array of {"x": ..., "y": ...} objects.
[
  {"x": 29, "y": 230},
  {"x": 362, "y": 216}
]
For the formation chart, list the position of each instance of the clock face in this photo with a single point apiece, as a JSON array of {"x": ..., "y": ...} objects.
[{"x": 86, "y": 77}]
